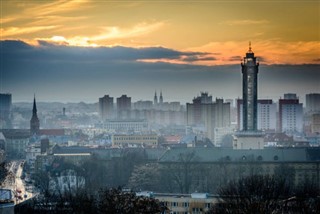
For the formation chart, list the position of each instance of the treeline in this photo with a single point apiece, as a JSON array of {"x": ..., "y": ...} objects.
[
  {"x": 105, "y": 201},
  {"x": 253, "y": 194},
  {"x": 134, "y": 171},
  {"x": 267, "y": 194}
]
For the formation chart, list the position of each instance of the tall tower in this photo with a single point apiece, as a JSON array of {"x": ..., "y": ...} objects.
[
  {"x": 249, "y": 90},
  {"x": 34, "y": 122},
  {"x": 155, "y": 99}
]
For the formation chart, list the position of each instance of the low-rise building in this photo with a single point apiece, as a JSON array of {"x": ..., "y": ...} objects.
[
  {"x": 16, "y": 142},
  {"x": 126, "y": 125},
  {"x": 195, "y": 203},
  {"x": 136, "y": 140}
]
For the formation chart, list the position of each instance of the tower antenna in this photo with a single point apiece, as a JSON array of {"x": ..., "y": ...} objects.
[{"x": 250, "y": 50}]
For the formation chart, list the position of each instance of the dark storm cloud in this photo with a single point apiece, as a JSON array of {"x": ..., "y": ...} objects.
[
  {"x": 50, "y": 51},
  {"x": 235, "y": 58},
  {"x": 197, "y": 58}
]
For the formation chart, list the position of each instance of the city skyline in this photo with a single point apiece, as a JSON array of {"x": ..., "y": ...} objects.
[{"x": 135, "y": 48}]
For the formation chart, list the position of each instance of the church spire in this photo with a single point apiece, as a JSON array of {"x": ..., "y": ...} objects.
[
  {"x": 34, "y": 122},
  {"x": 161, "y": 98},
  {"x": 34, "y": 109},
  {"x": 155, "y": 99}
]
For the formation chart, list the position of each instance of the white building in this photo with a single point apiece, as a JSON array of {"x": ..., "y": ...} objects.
[
  {"x": 126, "y": 125},
  {"x": 65, "y": 181},
  {"x": 290, "y": 115},
  {"x": 266, "y": 115},
  {"x": 138, "y": 140},
  {"x": 32, "y": 151},
  {"x": 220, "y": 132}
]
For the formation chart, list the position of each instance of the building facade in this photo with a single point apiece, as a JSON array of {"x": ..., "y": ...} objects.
[
  {"x": 266, "y": 115},
  {"x": 123, "y": 107},
  {"x": 211, "y": 115},
  {"x": 106, "y": 107},
  {"x": 290, "y": 114},
  {"x": 126, "y": 125},
  {"x": 313, "y": 102},
  {"x": 5, "y": 110},
  {"x": 138, "y": 140}
]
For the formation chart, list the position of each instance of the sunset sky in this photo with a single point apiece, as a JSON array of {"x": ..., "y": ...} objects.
[{"x": 52, "y": 47}]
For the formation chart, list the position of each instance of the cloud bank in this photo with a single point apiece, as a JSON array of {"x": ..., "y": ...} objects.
[{"x": 67, "y": 73}]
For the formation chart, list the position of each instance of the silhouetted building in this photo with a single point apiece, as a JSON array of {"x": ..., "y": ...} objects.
[
  {"x": 290, "y": 114},
  {"x": 196, "y": 111},
  {"x": 250, "y": 90},
  {"x": 34, "y": 122},
  {"x": 106, "y": 107},
  {"x": 313, "y": 102},
  {"x": 315, "y": 123},
  {"x": 5, "y": 110},
  {"x": 205, "y": 113},
  {"x": 124, "y": 107},
  {"x": 160, "y": 98},
  {"x": 155, "y": 99}
]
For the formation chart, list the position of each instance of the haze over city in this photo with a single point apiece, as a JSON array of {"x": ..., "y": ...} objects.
[
  {"x": 72, "y": 51},
  {"x": 162, "y": 106}
]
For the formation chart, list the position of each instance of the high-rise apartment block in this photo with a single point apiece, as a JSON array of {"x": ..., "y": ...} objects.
[
  {"x": 5, "y": 110},
  {"x": 123, "y": 107},
  {"x": 106, "y": 110},
  {"x": 290, "y": 114},
  {"x": 209, "y": 114},
  {"x": 312, "y": 102},
  {"x": 266, "y": 115}
]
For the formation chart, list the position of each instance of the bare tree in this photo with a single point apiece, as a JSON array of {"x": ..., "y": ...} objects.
[
  {"x": 118, "y": 202},
  {"x": 3, "y": 172},
  {"x": 254, "y": 194},
  {"x": 145, "y": 177}
]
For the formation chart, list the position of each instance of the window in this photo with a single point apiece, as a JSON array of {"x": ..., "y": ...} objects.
[
  {"x": 276, "y": 158},
  {"x": 174, "y": 204}
]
